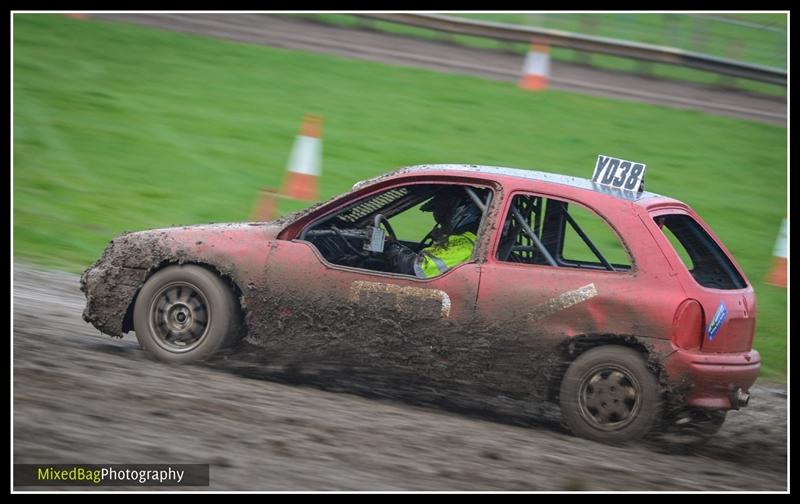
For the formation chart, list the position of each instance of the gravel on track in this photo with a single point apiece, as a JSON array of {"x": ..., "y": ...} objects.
[{"x": 82, "y": 397}]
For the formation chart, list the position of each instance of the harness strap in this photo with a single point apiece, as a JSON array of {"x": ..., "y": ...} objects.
[{"x": 418, "y": 270}]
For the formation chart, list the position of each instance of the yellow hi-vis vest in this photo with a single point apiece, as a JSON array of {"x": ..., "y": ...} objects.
[{"x": 435, "y": 260}]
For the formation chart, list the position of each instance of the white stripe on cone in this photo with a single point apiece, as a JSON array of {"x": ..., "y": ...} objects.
[
  {"x": 536, "y": 68},
  {"x": 780, "y": 243},
  {"x": 778, "y": 275},
  {"x": 537, "y": 63},
  {"x": 306, "y": 156}
]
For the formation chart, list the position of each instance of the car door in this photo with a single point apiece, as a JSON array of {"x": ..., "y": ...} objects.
[
  {"x": 324, "y": 318},
  {"x": 541, "y": 300}
]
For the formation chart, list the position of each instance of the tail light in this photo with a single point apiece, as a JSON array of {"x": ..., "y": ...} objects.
[{"x": 688, "y": 326}]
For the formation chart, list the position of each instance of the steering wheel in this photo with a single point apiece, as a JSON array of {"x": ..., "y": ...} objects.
[
  {"x": 381, "y": 218},
  {"x": 341, "y": 235}
]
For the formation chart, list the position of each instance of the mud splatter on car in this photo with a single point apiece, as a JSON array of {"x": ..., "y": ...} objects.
[{"x": 620, "y": 342}]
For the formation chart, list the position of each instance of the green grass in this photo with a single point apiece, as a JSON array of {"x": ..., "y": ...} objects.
[
  {"x": 613, "y": 63},
  {"x": 761, "y": 39},
  {"x": 119, "y": 127}
]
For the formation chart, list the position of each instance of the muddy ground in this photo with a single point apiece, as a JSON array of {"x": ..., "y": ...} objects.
[{"x": 82, "y": 397}]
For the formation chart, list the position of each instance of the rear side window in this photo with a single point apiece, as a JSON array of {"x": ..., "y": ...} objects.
[
  {"x": 550, "y": 232},
  {"x": 575, "y": 249},
  {"x": 707, "y": 263}
]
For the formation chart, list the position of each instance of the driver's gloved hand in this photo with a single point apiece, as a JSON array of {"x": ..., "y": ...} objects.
[{"x": 399, "y": 258}]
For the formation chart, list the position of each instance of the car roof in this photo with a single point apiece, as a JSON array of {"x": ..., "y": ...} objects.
[{"x": 491, "y": 172}]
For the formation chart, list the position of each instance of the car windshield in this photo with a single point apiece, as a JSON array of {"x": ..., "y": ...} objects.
[{"x": 388, "y": 203}]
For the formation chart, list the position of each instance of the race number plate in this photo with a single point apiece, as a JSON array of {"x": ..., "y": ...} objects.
[{"x": 619, "y": 173}]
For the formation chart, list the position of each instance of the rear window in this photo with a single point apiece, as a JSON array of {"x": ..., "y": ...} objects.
[{"x": 701, "y": 255}]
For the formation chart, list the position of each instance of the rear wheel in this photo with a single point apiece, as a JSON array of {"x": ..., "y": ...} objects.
[
  {"x": 185, "y": 313},
  {"x": 608, "y": 394}
]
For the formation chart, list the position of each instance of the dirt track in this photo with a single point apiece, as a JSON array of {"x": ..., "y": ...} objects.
[
  {"x": 81, "y": 397},
  {"x": 294, "y": 32}
]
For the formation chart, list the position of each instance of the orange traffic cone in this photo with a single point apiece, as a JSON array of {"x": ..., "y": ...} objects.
[
  {"x": 78, "y": 15},
  {"x": 266, "y": 206},
  {"x": 536, "y": 69},
  {"x": 778, "y": 274},
  {"x": 305, "y": 164},
  {"x": 305, "y": 161}
]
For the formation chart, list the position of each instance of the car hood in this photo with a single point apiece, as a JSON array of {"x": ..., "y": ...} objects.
[
  {"x": 262, "y": 230},
  {"x": 237, "y": 251}
]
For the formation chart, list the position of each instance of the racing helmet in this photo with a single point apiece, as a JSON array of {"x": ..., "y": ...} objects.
[{"x": 453, "y": 210}]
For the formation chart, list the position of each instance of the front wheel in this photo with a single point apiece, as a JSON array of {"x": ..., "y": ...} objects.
[
  {"x": 609, "y": 395},
  {"x": 185, "y": 313}
]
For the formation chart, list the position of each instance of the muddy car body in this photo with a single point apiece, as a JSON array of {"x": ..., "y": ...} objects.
[{"x": 622, "y": 344}]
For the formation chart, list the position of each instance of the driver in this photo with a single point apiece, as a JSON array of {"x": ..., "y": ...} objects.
[{"x": 457, "y": 219}]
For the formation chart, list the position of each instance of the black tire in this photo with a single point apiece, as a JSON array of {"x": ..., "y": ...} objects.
[
  {"x": 609, "y": 395},
  {"x": 185, "y": 313}
]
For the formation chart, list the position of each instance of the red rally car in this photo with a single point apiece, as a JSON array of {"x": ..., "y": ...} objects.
[{"x": 617, "y": 304}]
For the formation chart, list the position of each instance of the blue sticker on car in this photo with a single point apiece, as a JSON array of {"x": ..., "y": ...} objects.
[{"x": 717, "y": 321}]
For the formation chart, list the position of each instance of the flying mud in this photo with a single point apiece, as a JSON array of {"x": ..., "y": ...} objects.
[
  {"x": 377, "y": 339},
  {"x": 264, "y": 424}
]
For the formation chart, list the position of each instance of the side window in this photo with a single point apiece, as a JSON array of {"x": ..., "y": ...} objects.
[
  {"x": 552, "y": 232},
  {"x": 601, "y": 234},
  {"x": 701, "y": 255},
  {"x": 419, "y": 229}
]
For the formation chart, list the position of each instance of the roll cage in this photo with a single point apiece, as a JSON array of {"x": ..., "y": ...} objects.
[{"x": 534, "y": 233}]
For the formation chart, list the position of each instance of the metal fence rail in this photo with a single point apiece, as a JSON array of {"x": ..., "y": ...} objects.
[{"x": 591, "y": 44}]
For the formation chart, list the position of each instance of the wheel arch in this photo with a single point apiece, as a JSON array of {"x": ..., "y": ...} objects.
[
  {"x": 571, "y": 348},
  {"x": 127, "y": 321}
]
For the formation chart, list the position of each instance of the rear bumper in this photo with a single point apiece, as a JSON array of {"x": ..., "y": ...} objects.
[{"x": 710, "y": 380}]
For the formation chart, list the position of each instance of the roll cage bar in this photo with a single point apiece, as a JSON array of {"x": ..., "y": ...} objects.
[{"x": 534, "y": 211}]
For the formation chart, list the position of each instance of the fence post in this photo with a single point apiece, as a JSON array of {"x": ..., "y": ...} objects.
[
  {"x": 671, "y": 22},
  {"x": 734, "y": 51},
  {"x": 588, "y": 27},
  {"x": 700, "y": 35}
]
